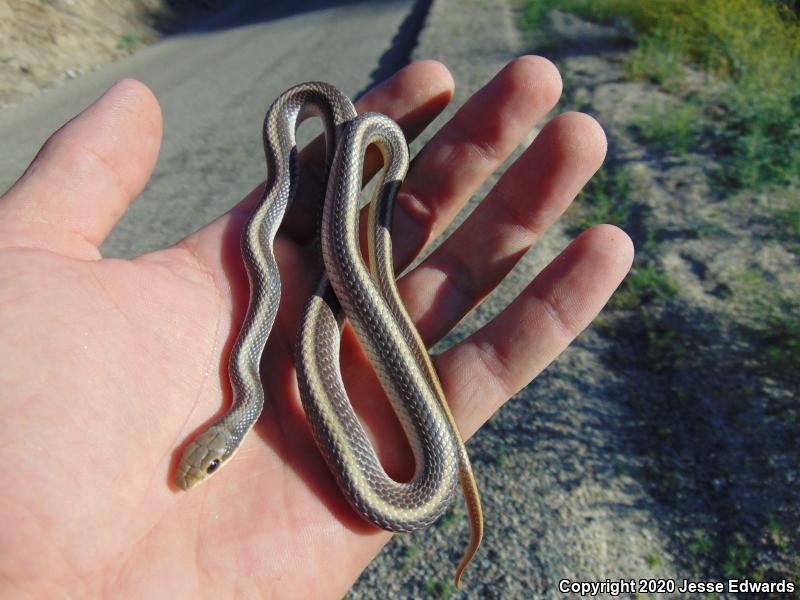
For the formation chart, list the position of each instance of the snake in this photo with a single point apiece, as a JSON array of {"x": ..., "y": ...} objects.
[{"x": 365, "y": 294}]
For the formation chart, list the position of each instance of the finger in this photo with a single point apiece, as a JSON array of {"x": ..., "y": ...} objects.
[
  {"x": 413, "y": 97},
  {"x": 529, "y": 197},
  {"x": 468, "y": 149},
  {"x": 501, "y": 358},
  {"x": 86, "y": 174}
]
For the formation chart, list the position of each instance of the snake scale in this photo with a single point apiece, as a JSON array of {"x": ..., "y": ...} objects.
[{"x": 368, "y": 297}]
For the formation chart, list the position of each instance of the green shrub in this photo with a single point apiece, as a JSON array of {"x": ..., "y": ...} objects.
[
  {"x": 676, "y": 129},
  {"x": 604, "y": 199},
  {"x": 752, "y": 46}
]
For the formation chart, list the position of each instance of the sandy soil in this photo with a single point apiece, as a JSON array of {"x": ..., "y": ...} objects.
[{"x": 46, "y": 42}]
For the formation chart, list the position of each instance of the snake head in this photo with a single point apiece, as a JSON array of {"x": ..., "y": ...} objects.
[{"x": 203, "y": 457}]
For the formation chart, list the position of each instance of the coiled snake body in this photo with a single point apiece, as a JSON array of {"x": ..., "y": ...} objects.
[{"x": 368, "y": 297}]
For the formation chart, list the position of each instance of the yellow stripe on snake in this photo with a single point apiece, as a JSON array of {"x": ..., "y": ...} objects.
[{"x": 369, "y": 299}]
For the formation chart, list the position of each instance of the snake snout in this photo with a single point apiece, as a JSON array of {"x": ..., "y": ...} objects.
[
  {"x": 190, "y": 478},
  {"x": 201, "y": 459}
]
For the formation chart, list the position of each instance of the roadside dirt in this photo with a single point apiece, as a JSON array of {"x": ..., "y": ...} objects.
[
  {"x": 553, "y": 465},
  {"x": 703, "y": 371},
  {"x": 657, "y": 446},
  {"x": 46, "y": 42}
]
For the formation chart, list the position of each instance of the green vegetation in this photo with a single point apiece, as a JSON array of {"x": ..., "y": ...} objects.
[
  {"x": 647, "y": 288},
  {"x": 502, "y": 460},
  {"x": 656, "y": 59},
  {"x": 673, "y": 128},
  {"x": 604, "y": 199},
  {"x": 607, "y": 199},
  {"x": 534, "y": 10},
  {"x": 776, "y": 533},
  {"x": 647, "y": 284},
  {"x": 738, "y": 557},
  {"x": 773, "y": 317},
  {"x": 129, "y": 41},
  {"x": 439, "y": 589},
  {"x": 653, "y": 561},
  {"x": 636, "y": 306},
  {"x": 751, "y": 47},
  {"x": 409, "y": 554},
  {"x": 449, "y": 518},
  {"x": 755, "y": 135},
  {"x": 700, "y": 548},
  {"x": 787, "y": 221},
  {"x": 750, "y": 121}
]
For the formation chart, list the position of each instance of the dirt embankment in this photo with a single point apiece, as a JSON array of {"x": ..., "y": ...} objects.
[{"x": 46, "y": 42}]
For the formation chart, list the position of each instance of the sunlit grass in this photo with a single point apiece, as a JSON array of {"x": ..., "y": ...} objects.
[
  {"x": 604, "y": 199},
  {"x": 773, "y": 315},
  {"x": 751, "y": 46},
  {"x": 675, "y": 129}
]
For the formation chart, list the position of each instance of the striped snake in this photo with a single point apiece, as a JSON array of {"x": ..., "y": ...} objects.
[{"x": 369, "y": 298}]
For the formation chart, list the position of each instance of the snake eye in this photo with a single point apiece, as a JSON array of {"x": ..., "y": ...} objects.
[{"x": 212, "y": 466}]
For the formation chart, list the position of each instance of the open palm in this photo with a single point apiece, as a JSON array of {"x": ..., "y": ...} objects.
[{"x": 109, "y": 366}]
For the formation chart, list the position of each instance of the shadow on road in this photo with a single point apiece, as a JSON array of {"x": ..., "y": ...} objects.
[{"x": 219, "y": 15}]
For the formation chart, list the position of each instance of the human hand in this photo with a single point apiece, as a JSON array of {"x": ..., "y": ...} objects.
[{"x": 110, "y": 366}]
